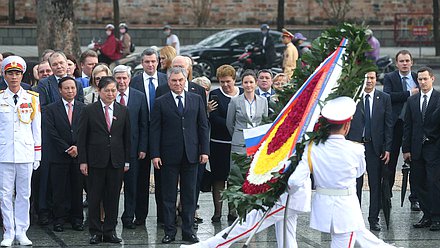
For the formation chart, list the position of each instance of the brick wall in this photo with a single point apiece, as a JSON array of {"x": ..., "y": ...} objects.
[{"x": 223, "y": 12}]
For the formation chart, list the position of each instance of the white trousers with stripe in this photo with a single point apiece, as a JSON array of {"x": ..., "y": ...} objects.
[
  {"x": 362, "y": 237},
  {"x": 15, "y": 178},
  {"x": 242, "y": 231}
]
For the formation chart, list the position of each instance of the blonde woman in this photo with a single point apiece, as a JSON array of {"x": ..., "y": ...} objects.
[{"x": 91, "y": 94}]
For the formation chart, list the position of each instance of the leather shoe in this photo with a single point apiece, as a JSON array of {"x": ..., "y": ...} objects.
[
  {"x": 423, "y": 223},
  {"x": 435, "y": 226},
  {"x": 129, "y": 225},
  {"x": 111, "y": 239},
  {"x": 43, "y": 219},
  {"x": 58, "y": 228},
  {"x": 374, "y": 226},
  {"x": 78, "y": 226},
  {"x": 95, "y": 239},
  {"x": 139, "y": 222},
  {"x": 191, "y": 238},
  {"x": 168, "y": 239},
  {"x": 215, "y": 219},
  {"x": 415, "y": 206}
]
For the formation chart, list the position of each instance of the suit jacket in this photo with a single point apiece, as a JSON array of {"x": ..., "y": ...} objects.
[
  {"x": 4, "y": 85},
  {"x": 272, "y": 91},
  {"x": 415, "y": 128},
  {"x": 172, "y": 135},
  {"x": 96, "y": 145},
  {"x": 137, "y": 108},
  {"x": 237, "y": 119},
  {"x": 138, "y": 83},
  {"x": 381, "y": 123},
  {"x": 269, "y": 48},
  {"x": 192, "y": 87},
  {"x": 392, "y": 85},
  {"x": 49, "y": 92},
  {"x": 61, "y": 134}
]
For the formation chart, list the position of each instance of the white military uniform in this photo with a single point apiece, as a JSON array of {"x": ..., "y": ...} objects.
[
  {"x": 335, "y": 207},
  {"x": 20, "y": 148},
  {"x": 300, "y": 198}
]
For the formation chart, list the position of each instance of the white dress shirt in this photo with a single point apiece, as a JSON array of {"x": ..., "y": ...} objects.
[
  {"x": 126, "y": 95},
  {"x": 146, "y": 78},
  {"x": 66, "y": 107},
  {"x": 177, "y": 100},
  {"x": 422, "y": 98}
]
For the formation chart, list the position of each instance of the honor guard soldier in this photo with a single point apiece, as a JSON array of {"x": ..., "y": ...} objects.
[
  {"x": 335, "y": 206},
  {"x": 20, "y": 150}
]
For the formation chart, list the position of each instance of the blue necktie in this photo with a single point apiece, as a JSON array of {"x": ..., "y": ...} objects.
[
  {"x": 152, "y": 92},
  {"x": 367, "y": 133},
  {"x": 180, "y": 105}
]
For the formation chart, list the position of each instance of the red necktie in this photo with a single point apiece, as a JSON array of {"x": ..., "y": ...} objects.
[
  {"x": 69, "y": 112},
  {"x": 122, "y": 100},
  {"x": 107, "y": 118}
]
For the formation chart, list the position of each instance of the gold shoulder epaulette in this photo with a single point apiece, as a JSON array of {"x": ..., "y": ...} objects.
[{"x": 33, "y": 92}]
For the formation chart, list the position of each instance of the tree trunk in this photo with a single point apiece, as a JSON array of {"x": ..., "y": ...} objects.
[
  {"x": 11, "y": 6},
  {"x": 116, "y": 17},
  {"x": 435, "y": 5},
  {"x": 56, "y": 27},
  {"x": 280, "y": 17}
]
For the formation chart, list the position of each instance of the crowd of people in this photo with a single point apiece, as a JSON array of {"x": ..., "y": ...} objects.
[{"x": 100, "y": 130}]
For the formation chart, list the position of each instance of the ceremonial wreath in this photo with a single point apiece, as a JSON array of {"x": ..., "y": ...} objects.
[{"x": 335, "y": 66}]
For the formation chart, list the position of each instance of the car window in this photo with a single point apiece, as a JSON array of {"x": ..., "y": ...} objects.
[
  {"x": 218, "y": 39},
  {"x": 276, "y": 37},
  {"x": 244, "y": 39}
]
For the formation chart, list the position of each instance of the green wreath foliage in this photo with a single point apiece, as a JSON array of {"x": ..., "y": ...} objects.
[{"x": 355, "y": 66}]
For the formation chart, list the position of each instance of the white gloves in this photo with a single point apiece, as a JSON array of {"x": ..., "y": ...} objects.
[{"x": 36, "y": 164}]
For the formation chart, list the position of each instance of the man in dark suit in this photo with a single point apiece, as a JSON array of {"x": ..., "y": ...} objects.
[
  {"x": 147, "y": 83},
  {"x": 400, "y": 85},
  {"x": 62, "y": 120},
  {"x": 104, "y": 155},
  {"x": 421, "y": 146},
  {"x": 267, "y": 47},
  {"x": 49, "y": 93},
  {"x": 373, "y": 112},
  {"x": 137, "y": 108},
  {"x": 179, "y": 141},
  {"x": 181, "y": 62}
]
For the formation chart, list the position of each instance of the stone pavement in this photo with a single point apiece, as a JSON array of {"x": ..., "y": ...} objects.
[{"x": 401, "y": 231}]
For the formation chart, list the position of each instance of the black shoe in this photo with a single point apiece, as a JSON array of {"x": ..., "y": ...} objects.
[
  {"x": 191, "y": 238},
  {"x": 374, "y": 226},
  {"x": 129, "y": 225},
  {"x": 95, "y": 239},
  {"x": 78, "y": 226},
  {"x": 58, "y": 228},
  {"x": 423, "y": 223},
  {"x": 415, "y": 206},
  {"x": 435, "y": 226},
  {"x": 111, "y": 239},
  {"x": 138, "y": 222},
  {"x": 168, "y": 239},
  {"x": 215, "y": 218}
]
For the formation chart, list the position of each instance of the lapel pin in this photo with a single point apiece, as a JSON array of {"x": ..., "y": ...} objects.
[{"x": 114, "y": 118}]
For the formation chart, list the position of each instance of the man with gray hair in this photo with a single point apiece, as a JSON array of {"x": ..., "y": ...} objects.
[
  {"x": 147, "y": 83},
  {"x": 179, "y": 142},
  {"x": 137, "y": 109}
]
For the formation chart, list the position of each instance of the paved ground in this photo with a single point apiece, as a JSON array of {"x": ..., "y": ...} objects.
[{"x": 401, "y": 232}]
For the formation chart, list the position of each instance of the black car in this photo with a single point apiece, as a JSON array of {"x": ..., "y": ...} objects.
[{"x": 225, "y": 47}]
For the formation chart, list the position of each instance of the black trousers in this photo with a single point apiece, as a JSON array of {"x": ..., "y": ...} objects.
[
  {"x": 374, "y": 170},
  {"x": 143, "y": 189},
  {"x": 67, "y": 192},
  {"x": 426, "y": 181},
  {"x": 158, "y": 194},
  {"x": 394, "y": 157},
  {"x": 188, "y": 179},
  {"x": 130, "y": 191},
  {"x": 104, "y": 185}
]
